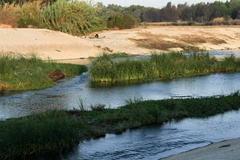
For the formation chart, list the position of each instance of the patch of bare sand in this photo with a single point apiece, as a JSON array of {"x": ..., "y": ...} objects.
[
  {"x": 62, "y": 47},
  {"x": 226, "y": 150},
  {"x": 45, "y": 44}
]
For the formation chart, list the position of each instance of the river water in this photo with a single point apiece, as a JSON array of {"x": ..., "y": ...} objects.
[
  {"x": 71, "y": 94},
  {"x": 156, "y": 142},
  {"x": 152, "y": 142}
]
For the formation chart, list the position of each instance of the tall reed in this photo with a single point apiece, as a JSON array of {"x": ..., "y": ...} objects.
[
  {"x": 44, "y": 133},
  {"x": 73, "y": 17},
  {"x": 160, "y": 66}
]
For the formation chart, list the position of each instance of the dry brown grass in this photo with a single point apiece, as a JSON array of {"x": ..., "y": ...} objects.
[
  {"x": 7, "y": 14},
  {"x": 237, "y": 35},
  {"x": 194, "y": 40},
  {"x": 191, "y": 39},
  {"x": 214, "y": 40},
  {"x": 218, "y": 21},
  {"x": 159, "y": 41},
  {"x": 11, "y": 13},
  {"x": 186, "y": 42}
]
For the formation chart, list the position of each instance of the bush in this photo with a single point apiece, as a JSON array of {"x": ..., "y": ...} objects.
[
  {"x": 218, "y": 21},
  {"x": 121, "y": 21},
  {"x": 27, "y": 23},
  {"x": 7, "y": 14},
  {"x": 73, "y": 17}
]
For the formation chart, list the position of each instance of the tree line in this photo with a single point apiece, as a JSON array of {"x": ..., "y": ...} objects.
[{"x": 200, "y": 12}]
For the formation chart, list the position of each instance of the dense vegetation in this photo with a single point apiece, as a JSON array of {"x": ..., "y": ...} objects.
[
  {"x": 82, "y": 17},
  {"x": 57, "y": 131},
  {"x": 73, "y": 17},
  {"x": 209, "y": 13},
  {"x": 20, "y": 73},
  {"x": 160, "y": 66}
]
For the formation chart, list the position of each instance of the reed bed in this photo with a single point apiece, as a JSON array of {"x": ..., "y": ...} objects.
[
  {"x": 30, "y": 73},
  {"x": 159, "y": 67},
  {"x": 57, "y": 131},
  {"x": 46, "y": 132}
]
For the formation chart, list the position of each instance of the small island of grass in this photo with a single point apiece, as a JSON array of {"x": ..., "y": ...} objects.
[
  {"x": 31, "y": 73},
  {"x": 159, "y": 67}
]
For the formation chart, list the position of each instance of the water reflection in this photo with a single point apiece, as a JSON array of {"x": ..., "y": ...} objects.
[{"x": 70, "y": 94}]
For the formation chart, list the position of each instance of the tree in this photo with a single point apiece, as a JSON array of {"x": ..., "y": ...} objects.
[{"x": 169, "y": 13}]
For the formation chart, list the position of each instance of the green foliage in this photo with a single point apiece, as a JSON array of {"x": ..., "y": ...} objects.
[
  {"x": 73, "y": 17},
  {"x": 230, "y": 64},
  {"x": 25, "y": 23},
  {"x": 43, "y": 133},
  {"x": 160, "y": 66},
  {"x": 121, "y": 21},
  {"x": 80, "y": 17},
  {"x": 20, "y": 73},
  {"x": 28, "y": 14},
  {"x": 199, "y": 12}
]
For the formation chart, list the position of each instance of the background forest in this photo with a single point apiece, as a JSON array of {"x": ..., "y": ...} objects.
[{"x": 81, "y": 17}]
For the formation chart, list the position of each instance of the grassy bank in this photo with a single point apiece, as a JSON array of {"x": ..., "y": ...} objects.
[
  {"x": 20, "y": 73},
  {"x": 61, "y": 130},
  {"x": 160, "y": 66}
]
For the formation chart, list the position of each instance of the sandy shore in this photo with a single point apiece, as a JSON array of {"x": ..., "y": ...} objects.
[
  {"x": 226, "y": 150},
  {"x": 62, "y": 47}
]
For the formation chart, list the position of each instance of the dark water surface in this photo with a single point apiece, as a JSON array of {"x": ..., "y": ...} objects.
[
  {"x": 72, "y": 93},
  {"x": 152, "y": 142},
  {"x": 156, "y": 142}
]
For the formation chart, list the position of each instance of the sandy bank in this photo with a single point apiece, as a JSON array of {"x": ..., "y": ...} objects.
[
  {"x": 59, "y": 46},
  {"x": 226, "y": 150}
]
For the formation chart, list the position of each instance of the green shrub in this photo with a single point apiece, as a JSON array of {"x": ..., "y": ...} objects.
[
  {"x": 26, "y": 23},
  {"x": 121, "y": 21},
  {"x": 28, "y": 14},
  {"x": 73, "y": 17}
]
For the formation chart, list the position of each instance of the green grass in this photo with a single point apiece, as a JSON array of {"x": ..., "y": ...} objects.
[
  {"x": 57, "y": 131},
  {"x": 159, "y": 67},
  {"x": 49, "y": 131},
  {"x": 20, "y": 73}
]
